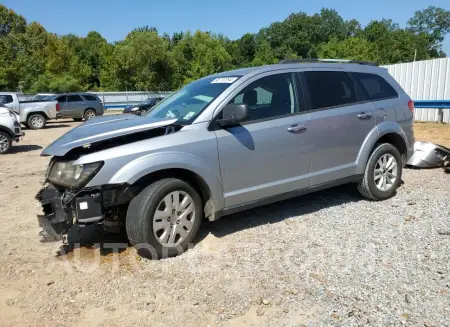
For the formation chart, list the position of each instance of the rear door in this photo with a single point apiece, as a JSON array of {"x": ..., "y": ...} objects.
[
  {"x": 341, "y": 119},
  {"x": 383, "y": 96},
  {"x": 75, "y": 106},
  {"x": 269, "y": 153}
]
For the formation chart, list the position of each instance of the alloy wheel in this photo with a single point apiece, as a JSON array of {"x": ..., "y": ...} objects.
[
  {"x": 386, "y": 172},
  {"x": 4, "y": 143},
  {"x": 174, "y": 218},
  {"x": 37, "y": 122}
]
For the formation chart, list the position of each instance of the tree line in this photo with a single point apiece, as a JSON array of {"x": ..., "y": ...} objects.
[{"x": 34, "y": 60}]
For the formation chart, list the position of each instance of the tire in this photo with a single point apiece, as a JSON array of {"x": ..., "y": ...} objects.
[
  {"x": 89, "y": 114},
  {"x": 5, "y": 142},
  {"x": 140, "y": 220},
  {"x": 77, "y": 119},
  {"x": 369, "y": 187},
  {"x": 36, "y": 121}
]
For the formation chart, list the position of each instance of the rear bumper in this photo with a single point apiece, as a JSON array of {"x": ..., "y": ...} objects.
[{"x": 429, "y": 155}]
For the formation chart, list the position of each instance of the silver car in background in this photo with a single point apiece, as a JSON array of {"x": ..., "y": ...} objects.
[{"x": 226, "y": 143}]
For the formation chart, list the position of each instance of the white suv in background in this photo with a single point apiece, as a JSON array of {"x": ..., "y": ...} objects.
[{"x": 9, "y": 129}]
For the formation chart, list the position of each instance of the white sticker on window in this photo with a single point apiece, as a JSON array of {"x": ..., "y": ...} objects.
[
  {"x": 189, "y": 115},
  {"x": 224, "y": 80},
  {"x": 83, "y": 205}
]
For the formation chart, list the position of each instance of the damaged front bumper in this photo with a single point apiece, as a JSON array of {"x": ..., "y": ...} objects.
[
  {"x": 64, "y": 208},
  {"x": 429, "y": 155}
]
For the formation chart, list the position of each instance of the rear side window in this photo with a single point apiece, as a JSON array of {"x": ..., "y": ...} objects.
[
  {"x": 375, "y": 86},
  {"x": 329, "y": 89},
  {"x": 89, "y": 97},
  {"x": 74, "y": 98},
  {"x": 5, "y": 99}
]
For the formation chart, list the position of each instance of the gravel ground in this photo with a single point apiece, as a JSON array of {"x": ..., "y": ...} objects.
[{"x": 324, "y": 259}]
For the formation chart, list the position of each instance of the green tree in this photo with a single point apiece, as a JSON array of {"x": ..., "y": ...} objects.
[
  {"x": 434, "y": 23},
  {"x": 353, "y": 48},
  {"x": 196, "y": 56},
  {"x": 141, "y": 62}
]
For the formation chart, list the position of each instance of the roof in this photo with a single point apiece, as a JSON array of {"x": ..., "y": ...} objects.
[{"x": 352, "y": 66}]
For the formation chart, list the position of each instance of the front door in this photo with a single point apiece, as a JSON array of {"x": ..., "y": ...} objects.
[
  {"x": 340, "y": 122},
  {"x": 269, "y": 153}
]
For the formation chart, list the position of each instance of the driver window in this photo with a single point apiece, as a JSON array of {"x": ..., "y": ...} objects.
[{"x": 268, "y": 97}]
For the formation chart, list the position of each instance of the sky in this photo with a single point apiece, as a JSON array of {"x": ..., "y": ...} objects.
[{"x": 115, "y": 18}]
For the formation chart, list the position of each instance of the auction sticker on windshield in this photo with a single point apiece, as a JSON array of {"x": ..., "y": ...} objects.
[
  {"x": 189, "y": 115},
  {"x": 224, "y": 80}
]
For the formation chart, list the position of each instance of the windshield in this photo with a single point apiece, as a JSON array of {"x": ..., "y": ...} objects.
[{"x": 187, "y": 103}]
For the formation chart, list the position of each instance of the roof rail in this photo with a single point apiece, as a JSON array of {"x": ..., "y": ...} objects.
[{"x": 345, "y": 61}]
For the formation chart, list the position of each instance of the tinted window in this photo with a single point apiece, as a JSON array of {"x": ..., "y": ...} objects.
[
  {"x": 5, "y": 99},
  {"x": 375, "y": 86},
  {"x": 74, "y": 98},
  {"x": 268, "y": 97},
  {"x": 89, "y": 97},
  {"x": 61, "y": 98},
  {"x": 329, "y": 89}
]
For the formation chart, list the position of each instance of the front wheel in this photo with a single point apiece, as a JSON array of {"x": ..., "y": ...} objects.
[
  {"x": 383, "y": 173},
  {"x": 164, "y": 218},
  {"x": 5, "y": 142},
  {"x": 36, "y": 121}
]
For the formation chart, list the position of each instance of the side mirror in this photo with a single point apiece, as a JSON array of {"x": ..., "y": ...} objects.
[{"x": 233, "y": 114}]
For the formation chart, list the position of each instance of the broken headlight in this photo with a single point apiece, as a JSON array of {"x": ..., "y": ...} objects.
[{"x": 65, "y": 173}]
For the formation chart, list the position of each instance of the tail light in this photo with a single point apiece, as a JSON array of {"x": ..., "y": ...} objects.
[
  {"x": 58, "y": 107},
  {"x": 411, "y": 105}
]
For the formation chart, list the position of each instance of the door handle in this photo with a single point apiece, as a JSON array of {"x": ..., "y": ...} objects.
[
  {"x": 297, "y": 128},
  {"x": 364, "y": 115}
]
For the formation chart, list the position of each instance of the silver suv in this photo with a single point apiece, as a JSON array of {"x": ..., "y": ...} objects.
[
  {"x": 78, "y": 105},
  {"x": 226, "y": 143}
]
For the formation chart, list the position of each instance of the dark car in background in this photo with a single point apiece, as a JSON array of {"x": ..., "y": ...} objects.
[{"x": 143, "y": 107}]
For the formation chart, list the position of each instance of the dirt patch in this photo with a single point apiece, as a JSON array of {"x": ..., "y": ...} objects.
[{"x": 433, "y": 132}]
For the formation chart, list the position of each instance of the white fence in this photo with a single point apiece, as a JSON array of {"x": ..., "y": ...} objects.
[
  {"x": 110, "y": 98},
  {"x": 425, "y": 80}
]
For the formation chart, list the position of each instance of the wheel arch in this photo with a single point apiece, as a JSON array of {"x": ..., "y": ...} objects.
[
  {"x": 192, "y": 169},
  {"x": 36, "y": 113},
  {"x": 7, "y": 131},
  {"x": 90, "y": 108},
  {"x": 388, "y": 132}
]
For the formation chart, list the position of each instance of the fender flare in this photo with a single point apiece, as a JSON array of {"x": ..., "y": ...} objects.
[
  {"x": 140, "y": 167},
  {"x": 387, "y": 127}
]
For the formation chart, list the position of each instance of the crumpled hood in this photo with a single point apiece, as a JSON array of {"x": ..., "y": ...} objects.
[{"x": 103, "y": 128}]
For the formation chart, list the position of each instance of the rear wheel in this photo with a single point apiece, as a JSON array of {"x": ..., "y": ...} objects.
[
  {"x": 383, "y": 173},
  {"x": 89, "y": 114},
  {"x": 36, "y": 121},
  {"x": 5, "y": 142},
  {"x": 164, "y": 218}
]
